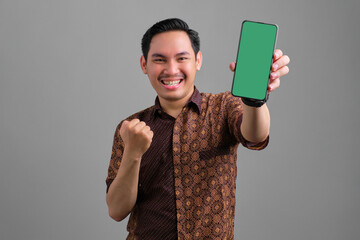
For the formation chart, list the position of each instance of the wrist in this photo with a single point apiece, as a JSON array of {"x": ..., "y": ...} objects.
[
  {"x": 254, "y": 102},
  {"x": 132, "y": 154}
]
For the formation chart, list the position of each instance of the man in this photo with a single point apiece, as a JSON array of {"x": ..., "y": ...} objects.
[{"x": 173, "y": 165}]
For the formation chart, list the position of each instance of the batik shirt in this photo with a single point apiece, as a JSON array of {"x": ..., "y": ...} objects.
[{"x": 187, "y": 177}]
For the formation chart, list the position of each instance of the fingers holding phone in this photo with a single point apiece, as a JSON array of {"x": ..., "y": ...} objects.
[{"x": 279, "y": 69}]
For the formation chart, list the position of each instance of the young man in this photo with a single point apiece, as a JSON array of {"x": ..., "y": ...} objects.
[{"x": 173, "y": 165}]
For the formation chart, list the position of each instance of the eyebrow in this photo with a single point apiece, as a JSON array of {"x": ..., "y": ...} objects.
[{"x": 163, "y": 56}]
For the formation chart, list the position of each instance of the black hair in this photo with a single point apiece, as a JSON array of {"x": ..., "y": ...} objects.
[{"x": 171, "y": 24}]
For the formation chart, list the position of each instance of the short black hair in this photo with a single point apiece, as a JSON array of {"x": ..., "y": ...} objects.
[{"x": 170, "y": 24}]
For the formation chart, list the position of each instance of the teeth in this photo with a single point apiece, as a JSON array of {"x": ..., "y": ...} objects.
[{"x": 171, "y": 83}]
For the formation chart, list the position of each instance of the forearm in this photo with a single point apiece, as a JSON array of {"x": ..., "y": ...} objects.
[
  {"x": 122, "y": 193},
  {"x": 255, "y": 124}
]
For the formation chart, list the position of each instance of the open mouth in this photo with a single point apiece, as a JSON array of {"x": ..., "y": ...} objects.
[{"x": 171, "y": 83}]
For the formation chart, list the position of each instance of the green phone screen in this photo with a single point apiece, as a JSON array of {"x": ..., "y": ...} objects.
[{"x": 253, "y": 65}]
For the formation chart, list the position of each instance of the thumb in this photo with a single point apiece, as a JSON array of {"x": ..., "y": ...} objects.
[{"x": 232, "y": 66}]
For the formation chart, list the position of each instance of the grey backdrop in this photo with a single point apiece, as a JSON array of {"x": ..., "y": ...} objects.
[{"x": 69, "y": 72}]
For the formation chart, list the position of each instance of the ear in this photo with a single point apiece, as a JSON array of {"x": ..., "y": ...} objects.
[
  {"x": 143, "y": 64},
  {"x": 198, "y": 60}
]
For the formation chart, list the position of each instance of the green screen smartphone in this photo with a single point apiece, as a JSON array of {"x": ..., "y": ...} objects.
[{"x": 254, "y": 60}]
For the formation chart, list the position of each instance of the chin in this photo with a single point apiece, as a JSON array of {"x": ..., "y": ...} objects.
[{"x": 173, "y": 97}]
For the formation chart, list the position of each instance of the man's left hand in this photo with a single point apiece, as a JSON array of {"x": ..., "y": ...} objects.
[{"x": 279, "y": 68}]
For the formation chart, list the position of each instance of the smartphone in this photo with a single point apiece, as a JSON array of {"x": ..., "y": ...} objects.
[{"x": 254, "y": 60}]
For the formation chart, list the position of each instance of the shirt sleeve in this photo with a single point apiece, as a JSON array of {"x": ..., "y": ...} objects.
[
  {"x": 116, "y": 156},
  {"x": 235, "y": 113}
]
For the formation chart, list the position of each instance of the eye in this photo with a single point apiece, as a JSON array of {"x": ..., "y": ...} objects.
[
  {"x": 159, "y": 60},
  {"x": 182, "y": 58}
]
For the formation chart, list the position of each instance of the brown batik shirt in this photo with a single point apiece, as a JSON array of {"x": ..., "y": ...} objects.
[{"x": 202, "y": 152}]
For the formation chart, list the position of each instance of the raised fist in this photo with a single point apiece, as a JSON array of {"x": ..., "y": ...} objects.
[{"x": 137, "y": 137}]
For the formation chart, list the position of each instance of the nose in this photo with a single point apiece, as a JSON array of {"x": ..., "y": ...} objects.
[{"x": 171, "y": 67}]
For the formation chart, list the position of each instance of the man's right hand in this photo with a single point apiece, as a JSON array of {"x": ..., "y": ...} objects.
[
  {"x": 121, "y": 198},
  {"x": 137, "y": 137}
]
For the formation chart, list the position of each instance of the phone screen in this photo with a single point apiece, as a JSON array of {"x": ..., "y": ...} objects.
[{"x": 254, "y": 60}]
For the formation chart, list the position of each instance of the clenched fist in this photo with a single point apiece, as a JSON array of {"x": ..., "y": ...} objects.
[{"x": 137, "y": 137}]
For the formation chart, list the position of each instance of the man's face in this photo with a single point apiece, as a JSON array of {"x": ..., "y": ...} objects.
[{"x": 171, "y": 65}]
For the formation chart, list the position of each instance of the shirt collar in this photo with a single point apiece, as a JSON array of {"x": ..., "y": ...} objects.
[{"x": 194, "y": 101}]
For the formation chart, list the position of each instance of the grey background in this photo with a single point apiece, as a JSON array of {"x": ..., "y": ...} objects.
[{"x": 69, "y": 72}]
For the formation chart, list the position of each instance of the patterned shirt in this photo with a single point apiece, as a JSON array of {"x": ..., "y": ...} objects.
[{"x": 191, "y": 181}]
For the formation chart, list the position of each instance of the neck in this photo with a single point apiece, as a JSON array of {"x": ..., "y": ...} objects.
[{"x": 174, "y": 107}]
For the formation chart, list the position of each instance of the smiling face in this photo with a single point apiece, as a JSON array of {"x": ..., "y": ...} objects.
[{"x": 171, "y": 66}]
